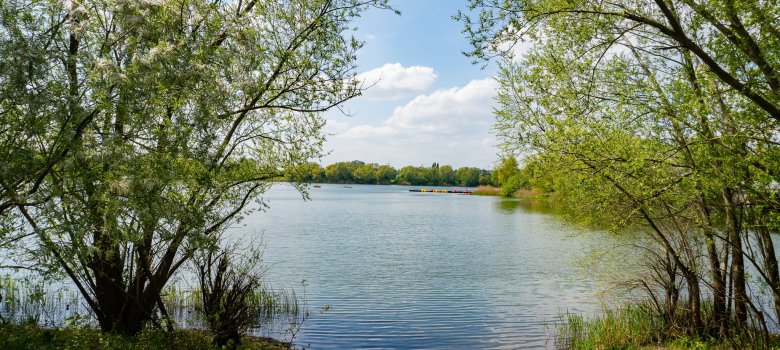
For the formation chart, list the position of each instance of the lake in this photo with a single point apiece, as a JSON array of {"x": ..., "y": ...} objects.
[{"x": 422, "y": 270}]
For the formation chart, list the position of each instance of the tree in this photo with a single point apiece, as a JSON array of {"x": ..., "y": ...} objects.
[
  {"x": 410, "y": 175},
  {"x": 659, "y": 111},
  {"x": 149, "y": 126},
  {"x": 535, "y": 173},
  {"x": 512, "y": 185},
  {"x": 305, "y": 173},
  {"x": 446, "y": 175},
  {"x": 467, "y": 176},
  {"x": 364, "y": 174},
  {"x": 505, "y": 170},
  {"x": 343, "y": 172},
  {"x": 385, "y": 174},
  {"x": 486, "y": 178}
]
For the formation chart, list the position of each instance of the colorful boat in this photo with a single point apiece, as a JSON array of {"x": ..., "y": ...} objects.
[{"x": 425, "y": 190}]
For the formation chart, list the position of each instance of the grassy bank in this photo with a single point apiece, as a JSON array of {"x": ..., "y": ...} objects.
[
  {"x": 31, "y": 336},
  {"x": 634, "y": 327}
]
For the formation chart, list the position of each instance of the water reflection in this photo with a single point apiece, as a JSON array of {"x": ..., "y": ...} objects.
[
  {"x": 419, "y": 270},
  {"x": 508, "y": 205},
  {"x": 530, "y": 205},
  {"x": 411, "y": 270}
]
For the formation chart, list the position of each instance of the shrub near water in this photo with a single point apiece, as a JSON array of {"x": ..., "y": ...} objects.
[
  {"x": 233, "y": 297},
  {"x": 512, "y": 185}
]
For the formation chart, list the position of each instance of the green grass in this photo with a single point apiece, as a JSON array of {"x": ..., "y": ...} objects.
[
  {"x": 624, "y": 328},
  {"x": 31, "y": 336},
  {"x": 33, "y": 318},
  {"x": 634, "y": 327},
  {"x": 487, "y": 191}
]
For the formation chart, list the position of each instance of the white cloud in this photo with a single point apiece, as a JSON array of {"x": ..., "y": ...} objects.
[
  {"x": 334, "y": 126},
  {"x": 448, "y": 126},
  {"x": 368, "y": 132},
  {"x": 393, "y": 81},
  {"x": 448, "y": 111}
]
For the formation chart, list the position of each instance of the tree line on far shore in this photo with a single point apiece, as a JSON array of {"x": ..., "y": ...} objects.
[{"x": 358, "y": 172}]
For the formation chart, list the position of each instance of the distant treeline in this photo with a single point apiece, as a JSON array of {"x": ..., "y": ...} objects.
[{"x": 357, "y": 172}]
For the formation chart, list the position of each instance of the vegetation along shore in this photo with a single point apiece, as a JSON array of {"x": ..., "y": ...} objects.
[{"x": 657, "y": 120}]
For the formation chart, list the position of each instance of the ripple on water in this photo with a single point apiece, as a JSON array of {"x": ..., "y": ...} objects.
[{"x": 419, "y": 271}]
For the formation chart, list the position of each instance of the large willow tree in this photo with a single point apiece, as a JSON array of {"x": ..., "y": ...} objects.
[
  {"x": 131, "y": 131},
  {"x": 662, "y": 115}
]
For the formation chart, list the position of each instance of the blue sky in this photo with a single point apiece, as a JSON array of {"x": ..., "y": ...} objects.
[{"x": 426, "y": 102}]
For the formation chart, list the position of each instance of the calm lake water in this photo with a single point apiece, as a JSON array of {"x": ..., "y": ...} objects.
[{"x": 421, "y": 270}]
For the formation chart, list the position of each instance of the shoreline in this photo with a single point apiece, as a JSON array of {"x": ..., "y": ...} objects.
[{"x": 34, "y": 336}]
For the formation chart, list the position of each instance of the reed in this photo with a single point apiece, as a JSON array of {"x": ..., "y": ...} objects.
[
  {"x": 275, "y": 308},
  {"x": 638, "y": 327},
  {"x": 487, "y": 191},
  {"x": 26, "y": 301},
  {"x": 623, "y": 328},
  {"x": 29, "y": 299}
]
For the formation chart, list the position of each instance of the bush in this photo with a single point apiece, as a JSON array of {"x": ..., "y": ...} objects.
[
  {"x": 233, "y": 297},
  {"x": 514, "y": 183},
  {"x": 228, "y": 295}
]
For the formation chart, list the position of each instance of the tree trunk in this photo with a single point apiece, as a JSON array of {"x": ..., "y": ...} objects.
[
  {"x": 770, "y": 265},
  {"x": 737, "y": 260},
  {"x": 719, "y": 315},
  {"x": 694, "y": 296},
  {"x": 121, "y": 310}
]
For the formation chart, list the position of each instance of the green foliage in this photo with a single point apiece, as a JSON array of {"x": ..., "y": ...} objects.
[
  {"x": 417, "y": 176},
  {"x": 693, "y": 344},
  {"x": 357, "y": 172},
  {"x": 341, "y": 172},
  {"x": 652, "y": 118},
  {"x": 507, "y": 169},
  {"x": 30, "y": 336},
  {"x": 624, "y": 328},
  {"x": 630, "y": 327},
  {"x": 635, "y": 327},
  {"x": 512, "y": 185},
  {"x": 233, "y": 296},
  {"x": 468, "y": 177},
  {"x": 306, "y": 173},
  {"x": 385, "y": 174},
  {"x": 539, "y": 175},
  {"x": 227, "y": 291},
  {"x": 131, "y": 132}
]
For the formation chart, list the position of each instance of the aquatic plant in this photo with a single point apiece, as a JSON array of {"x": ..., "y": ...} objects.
[{"x": 637, "y": 326}]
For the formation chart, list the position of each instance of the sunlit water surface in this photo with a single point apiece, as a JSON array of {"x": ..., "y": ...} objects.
[{"x": 421, "y": 270}]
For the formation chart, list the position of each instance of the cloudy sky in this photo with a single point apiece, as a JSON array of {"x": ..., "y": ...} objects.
[{"x": 427, "y": 103}]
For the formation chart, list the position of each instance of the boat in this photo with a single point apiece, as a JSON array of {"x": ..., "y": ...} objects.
[
  {"x": 425, "y": 190},
  {"x": 317, "y": 186}
]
